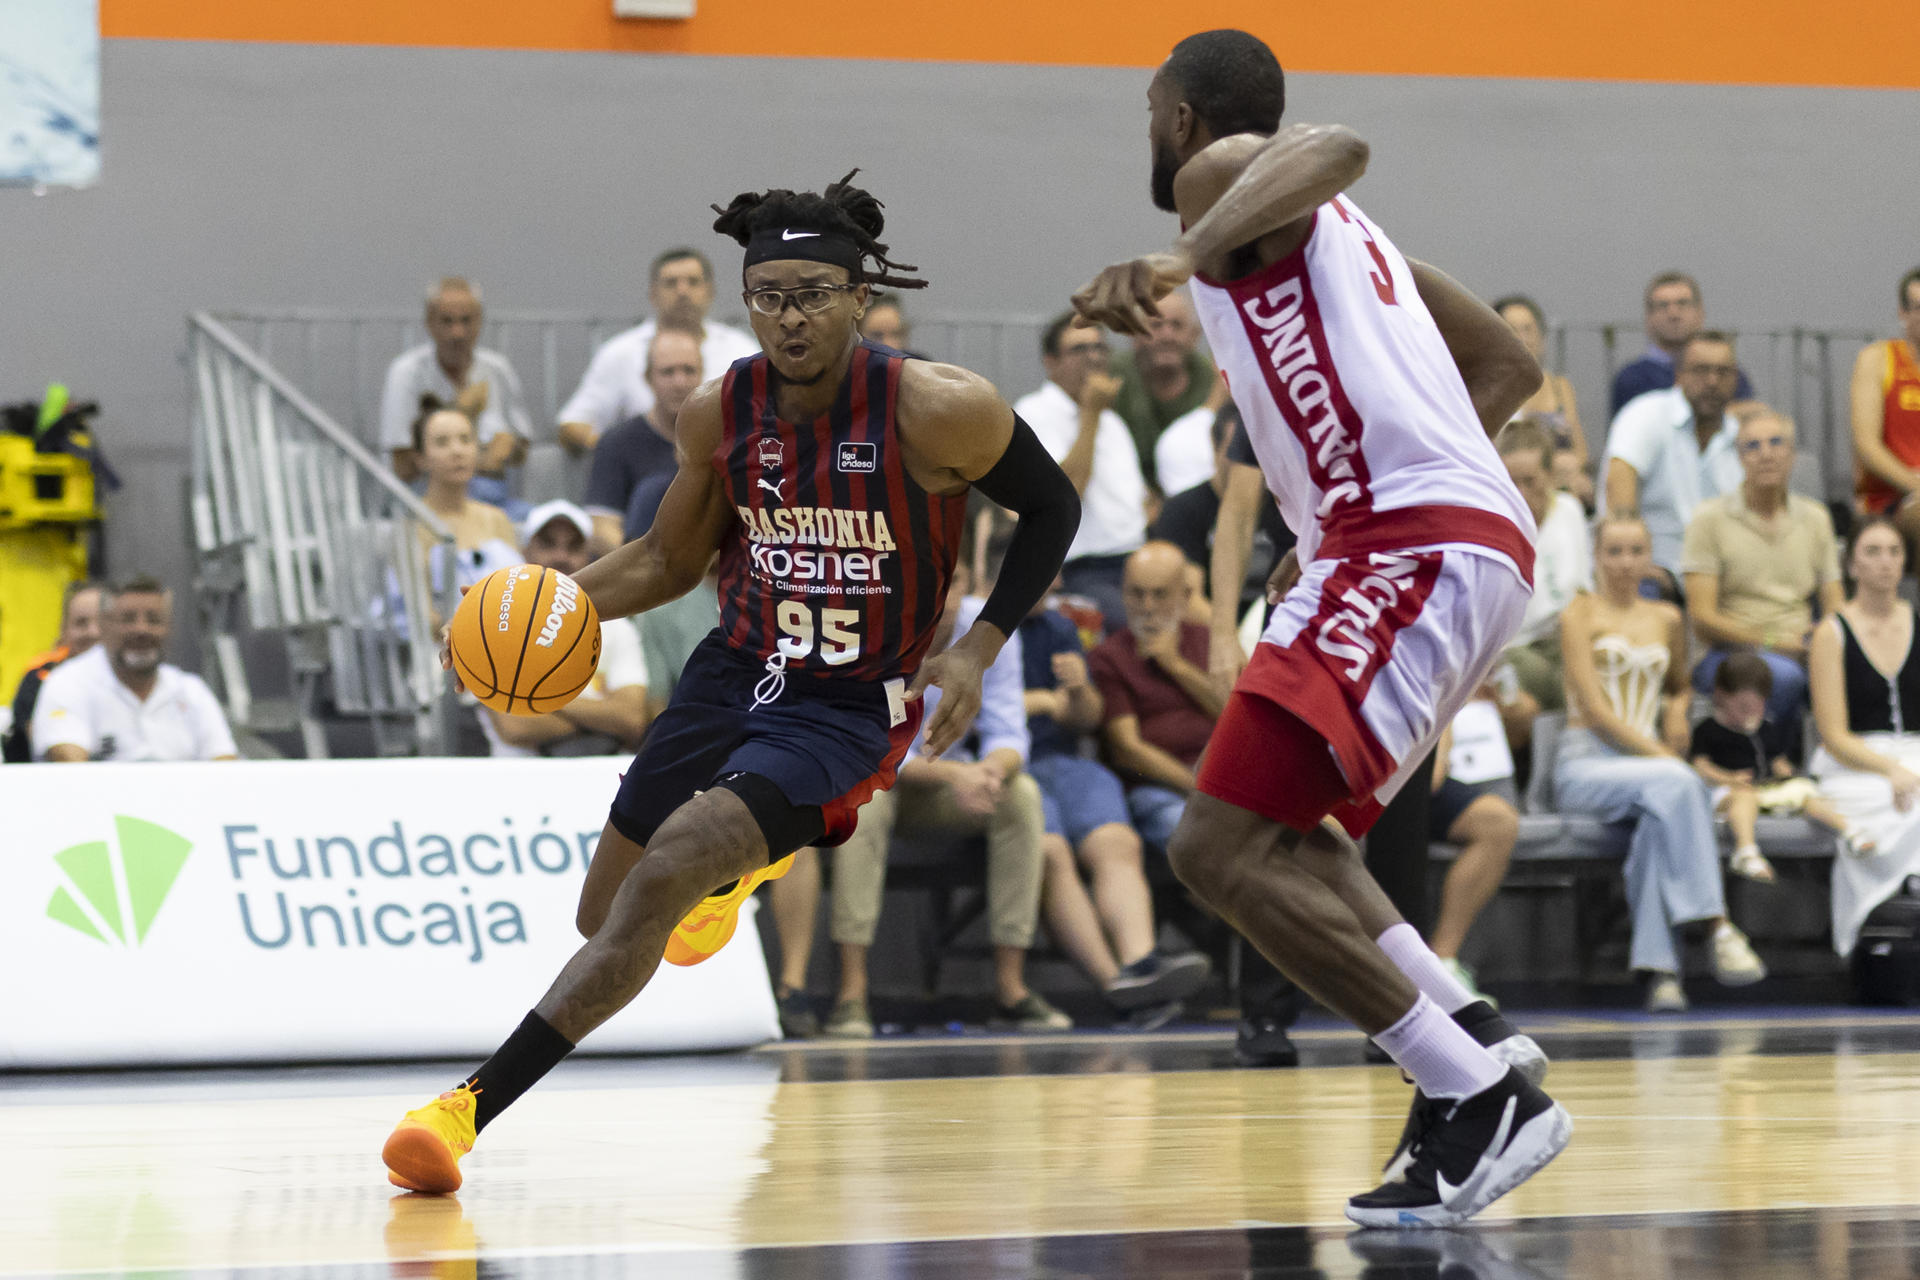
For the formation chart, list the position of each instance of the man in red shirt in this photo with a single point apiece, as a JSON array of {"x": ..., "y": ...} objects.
[{"x": 1160, "y": 703}]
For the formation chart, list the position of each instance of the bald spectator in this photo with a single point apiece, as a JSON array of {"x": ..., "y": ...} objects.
[
  {"x": 1073, "y": 417},
  {"x": 1160, "y": 704},
  {"x": 1885, "y": 408},
  {"x": 79, "y": 632},
  {"x": 1756, "y": 560},
  {"x": 1164, "y": 378},
  {"x": 454, "y": 368},
  {"x": 641, "y": 448},
  {"x": 1671, "y": 450},
  {"x": 1675, "y": 312},
  {"x": 611, "y": 714},
  {"x": 119, "y": 701},
  {"x": 614, "y": 389}
]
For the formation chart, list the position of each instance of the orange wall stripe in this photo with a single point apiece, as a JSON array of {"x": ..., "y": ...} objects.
[{"x": 1717, "y": 42}]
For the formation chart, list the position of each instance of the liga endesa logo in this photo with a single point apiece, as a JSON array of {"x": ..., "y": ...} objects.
[{"x": 136, "y": 869}]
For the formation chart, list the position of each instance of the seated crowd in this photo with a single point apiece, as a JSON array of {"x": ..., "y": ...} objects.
[{"x": 1691, "y": 615}]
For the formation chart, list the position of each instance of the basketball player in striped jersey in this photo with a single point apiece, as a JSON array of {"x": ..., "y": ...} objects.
[
  {"x": 1369, "y": 386},
  {"x": 830, "y": 476},
  {"x": 1886, "y": 417}
]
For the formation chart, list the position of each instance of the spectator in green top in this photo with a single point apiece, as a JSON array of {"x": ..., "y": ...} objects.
[{"x": 1164, "y": 377}]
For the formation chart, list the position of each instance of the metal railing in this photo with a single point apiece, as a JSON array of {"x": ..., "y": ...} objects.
[
  {"x": 308, "y": 551},
  {"x": 340, "y": 359}
]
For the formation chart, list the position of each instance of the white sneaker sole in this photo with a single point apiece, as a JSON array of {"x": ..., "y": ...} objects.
[
  {"x": 1532, "y": 1149},
  {"x": 1524, "y": 1056}
]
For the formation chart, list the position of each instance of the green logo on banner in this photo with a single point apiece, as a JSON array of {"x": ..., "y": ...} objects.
[{"x": 143, "y": 862}]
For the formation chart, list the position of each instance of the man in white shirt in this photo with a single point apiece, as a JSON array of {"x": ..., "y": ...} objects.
[
  {"x": 455, "y": 368},
  {"x": 1073, "y": 417},
  {"x": 1669, "y": 451},
  {"x": 119, "y": 701},
  {"x": 614, "y": 389},
  {"x": 610, "y": 714},
  {"x": 1562, "y": 568}
]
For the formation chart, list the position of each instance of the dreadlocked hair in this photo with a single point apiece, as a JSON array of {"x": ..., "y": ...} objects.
[{"x": 842, "y": 208}]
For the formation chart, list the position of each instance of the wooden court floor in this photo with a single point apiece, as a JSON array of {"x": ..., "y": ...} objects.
[{"x": 1733, "y": 1147}]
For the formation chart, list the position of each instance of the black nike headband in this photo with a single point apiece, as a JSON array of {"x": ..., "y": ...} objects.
[{"x": 774, "y": 244}]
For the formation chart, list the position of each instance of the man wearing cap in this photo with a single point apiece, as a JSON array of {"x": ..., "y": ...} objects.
[{"x": 610, "y": 715}]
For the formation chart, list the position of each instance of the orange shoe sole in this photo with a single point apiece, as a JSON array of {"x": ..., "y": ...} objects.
[{"x": 418, "y": 1160}]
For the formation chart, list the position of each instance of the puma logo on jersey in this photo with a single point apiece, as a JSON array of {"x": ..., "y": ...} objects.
[
  {"x": 772, "y": 486},
  {"x": 1344, "y": 635}
]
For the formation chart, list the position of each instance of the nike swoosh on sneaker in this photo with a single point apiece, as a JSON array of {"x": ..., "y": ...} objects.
[
  {"x": 1452, "y": 1196},
  {"x": 797, "y": 235}
]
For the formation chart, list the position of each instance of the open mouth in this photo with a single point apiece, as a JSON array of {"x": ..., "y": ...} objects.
[{"x": 795, "y": 350}]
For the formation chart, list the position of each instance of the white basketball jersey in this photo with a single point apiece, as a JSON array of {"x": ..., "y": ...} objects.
[{"x": 1355, "y": 410}]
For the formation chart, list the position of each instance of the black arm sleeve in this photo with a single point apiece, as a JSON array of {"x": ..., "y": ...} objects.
[{"x": 1029, "y": 483}]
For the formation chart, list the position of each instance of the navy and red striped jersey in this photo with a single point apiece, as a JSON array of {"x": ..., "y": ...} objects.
[{"x": 842, "y": 561}]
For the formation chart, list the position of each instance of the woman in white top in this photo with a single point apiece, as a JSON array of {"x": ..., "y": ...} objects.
[
  {"x": 1621, "y": 760},
  {"x": 1865, "y": 669},
  {"x": 448, "y": 447}
]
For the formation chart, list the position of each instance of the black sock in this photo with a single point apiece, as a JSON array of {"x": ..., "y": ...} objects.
[{"x": 533, "y": 1049}]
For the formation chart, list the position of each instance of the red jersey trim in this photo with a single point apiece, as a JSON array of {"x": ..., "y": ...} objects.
[{"x": 1428, "y": 525}]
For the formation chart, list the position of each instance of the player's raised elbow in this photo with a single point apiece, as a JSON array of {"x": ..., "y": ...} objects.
[{"x": 1345, "y": 152}]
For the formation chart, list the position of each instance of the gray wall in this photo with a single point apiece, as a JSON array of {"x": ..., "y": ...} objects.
[{"x": 267, "y": 175}]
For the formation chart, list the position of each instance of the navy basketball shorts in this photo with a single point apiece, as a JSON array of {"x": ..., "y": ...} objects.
[{"x": 826, "y": 742}]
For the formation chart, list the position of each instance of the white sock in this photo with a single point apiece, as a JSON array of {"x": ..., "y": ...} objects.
[
  {"x": 1442, "y": 1059},
  {"x": 1753, "y": 849},
  {"x": 1412, "y": 956}
]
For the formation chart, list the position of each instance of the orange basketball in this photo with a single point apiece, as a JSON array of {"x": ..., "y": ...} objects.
[{"x": 526, "y": 640}]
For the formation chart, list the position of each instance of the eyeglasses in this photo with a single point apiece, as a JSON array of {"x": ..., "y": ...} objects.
[
  {"x": 1087, "y": 349},
  {"x": 812, "y": 299},
  {"x": 1771, "y": 442}
]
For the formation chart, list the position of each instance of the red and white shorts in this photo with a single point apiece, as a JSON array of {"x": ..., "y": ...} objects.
[{"x": 1361, "y": 667}]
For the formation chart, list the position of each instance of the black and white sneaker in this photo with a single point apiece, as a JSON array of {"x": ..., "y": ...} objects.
[
  {"x": 1158, "y": 978},
  {"x": 1498, "y": 1037},
  {"x": 1468, "y": 1154}
]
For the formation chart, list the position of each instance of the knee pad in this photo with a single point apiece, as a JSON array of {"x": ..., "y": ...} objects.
[{"x": 785, "y": 825}]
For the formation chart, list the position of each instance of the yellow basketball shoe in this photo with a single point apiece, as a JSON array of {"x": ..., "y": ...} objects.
[
  {"x": 709, "y": 925},
  {"x": 423, "y": 1152}
]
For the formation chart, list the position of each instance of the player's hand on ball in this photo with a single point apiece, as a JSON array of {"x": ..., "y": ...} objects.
[{"x": 1123, "y": 296}]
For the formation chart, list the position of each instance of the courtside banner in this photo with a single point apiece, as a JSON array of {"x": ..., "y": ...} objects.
[{"x": 262, "y": 910}]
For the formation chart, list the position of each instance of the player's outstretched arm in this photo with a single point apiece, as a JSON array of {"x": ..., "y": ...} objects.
[
  {"x": 956, "y": 426},
  {"x": 1500, "y": 373},
  {"x": 675, "y": 553},
  {"x": 1239, "y": 189}
]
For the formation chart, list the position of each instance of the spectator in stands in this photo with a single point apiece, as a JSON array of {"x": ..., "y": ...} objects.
[
  {"x": 1553, "y": 406},
  {"x": 1866, "y": 704},
  {"x": 886, "y": 323},
  {"x": 455, "y": 369},
  {"x": 614, "y": 388},
  {"x": 610, "y": 714},
  {"x": 484, "y": 538},
  {"x": 1074, "y": 418},
  {"x": 1886, "y": 416},
  {"x": 1675, "y": 312},
  {"x": 1749, "y": 759},
  {"x": 979, "y": 787},
  {"x": 79, "y": 632},
  {"x": 1671, "y": 450},
  {"x": 1620, "y": 760},
  {"x": 670, "y": 632},
  {"x": 1562, "y": 569},
  {"x": 1109, "y": 934},
  {"x": 1476, "y": 808},
  {"x": 119, "y": 701},
  {"x": 1572, "y": 478},
  {"x": 1754, "y": 560},
  {"x": 1188, "y": 518},
  {"x": 641, "y": 448},
  {"x": 1163, "y": 378},
  {"x": 1184, "y": 455},
  {"x": 1160, "y": 703}
]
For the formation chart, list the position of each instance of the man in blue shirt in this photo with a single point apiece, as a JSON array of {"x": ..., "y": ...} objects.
[{"x": 1675, "y": 312}]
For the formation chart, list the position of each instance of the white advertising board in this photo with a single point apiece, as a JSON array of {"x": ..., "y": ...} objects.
[{"x": 313, "y": 909}]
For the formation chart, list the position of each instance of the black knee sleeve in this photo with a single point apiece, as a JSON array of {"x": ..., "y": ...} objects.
[{"x": 785, "y": 825}]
